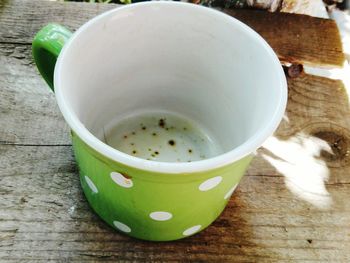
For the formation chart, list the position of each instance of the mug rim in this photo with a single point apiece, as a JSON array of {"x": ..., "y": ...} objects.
[{"x": 239, "y": 152}]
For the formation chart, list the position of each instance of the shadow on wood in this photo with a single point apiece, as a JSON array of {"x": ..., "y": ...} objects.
[
  {"x": 45, "y": 217},
  {"x": 313, "y": 138}
]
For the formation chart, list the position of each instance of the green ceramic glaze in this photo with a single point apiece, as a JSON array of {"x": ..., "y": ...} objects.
[
  {"x": 46, "y": 47},
  {"x": 140, "y": 203},
  {"x": 127, "y": 198}
]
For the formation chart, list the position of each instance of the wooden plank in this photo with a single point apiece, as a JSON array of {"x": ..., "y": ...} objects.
[
  {"x": 318, "y": 43},
  {"x": 26, "y": 100},
  {"x": 317, "y": 107},
  {"x": 28, "y": 111},
  {"x": 296, "y": 38},
  {"x": 44, "y": 216},
  {"x": 35, "y": 14}
]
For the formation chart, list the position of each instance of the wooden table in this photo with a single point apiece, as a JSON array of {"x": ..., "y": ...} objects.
[{"x": 292, "y": 205}]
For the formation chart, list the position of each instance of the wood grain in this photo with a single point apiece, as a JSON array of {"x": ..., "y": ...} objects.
[
  {"x": 316, "y": 44},
  {"x": 29, "y": 114},
  {"x": 296, "y": 38},
  {"x": 44, "y": 216}
]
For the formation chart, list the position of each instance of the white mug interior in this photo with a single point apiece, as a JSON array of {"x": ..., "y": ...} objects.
[{"x": 176, "y": 57}]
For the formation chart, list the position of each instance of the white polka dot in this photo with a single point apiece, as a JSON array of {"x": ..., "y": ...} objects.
[
  {"x": 210, "y": 183},
  {"x": 122, "y": 227},
  {"x": 91, "y": 184},
  {"x": 229, "y": 193},
  {"x": 191, "y": 230},
  {"x": 161, "y": 216},
  {"x": 120, "y": 180}
]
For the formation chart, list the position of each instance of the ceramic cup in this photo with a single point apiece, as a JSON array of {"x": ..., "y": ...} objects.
[{"x": 177, "y": 57}]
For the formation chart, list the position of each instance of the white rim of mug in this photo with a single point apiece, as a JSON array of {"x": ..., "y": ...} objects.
[{"x": 246, "y": 148}]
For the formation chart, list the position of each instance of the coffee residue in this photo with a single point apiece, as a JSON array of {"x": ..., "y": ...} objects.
[{"x": 161, "y": 123}]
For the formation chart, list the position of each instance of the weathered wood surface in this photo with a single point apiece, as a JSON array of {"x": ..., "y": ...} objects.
[
  {"x": 296, "y": 38},
  {"x": 44, "y": 216},
  {"x": 23, "y": 94},
  {"x": 318, "y": 43}
]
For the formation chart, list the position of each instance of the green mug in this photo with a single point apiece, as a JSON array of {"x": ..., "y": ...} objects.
[{"x": 164, "y": 56}]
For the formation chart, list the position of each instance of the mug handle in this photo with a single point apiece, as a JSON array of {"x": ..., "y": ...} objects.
[{"x": 46, "y": 47}]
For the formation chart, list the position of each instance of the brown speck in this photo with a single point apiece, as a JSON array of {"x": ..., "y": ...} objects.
[
  {"x": 190, "y": 150},
  {"x": 133, "y": 133},
  {"x": 156, "y": 152},
  {"x": 185, "y": 129},
  {"x": 144, "y": 128},
  {"x": 309, "y": 240},
  {"x": 125, "y": 136},
  {"x": 154, "y": 134},
  {"x": 153, "y": 155},
  {"x": 171, "y": 142},
  {"x": 132, "y": 144},
  {"x": 133, "y": 152},
  {"x": 149, "y": 149},
  {"x": 126, "y": 176},
  {"x": 294, "y": 70},
  {"x": 167, "y": 128},
  {"x": 161, "y": 123},
  {"x": 338, "y": 143}
]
